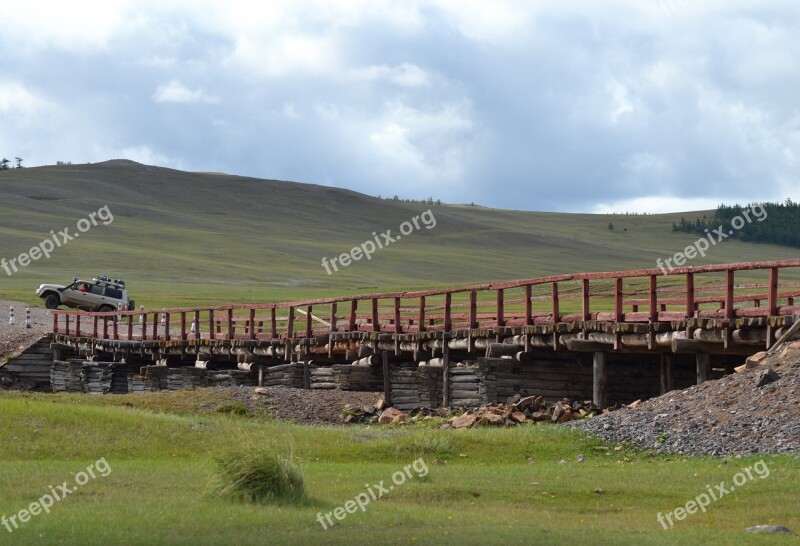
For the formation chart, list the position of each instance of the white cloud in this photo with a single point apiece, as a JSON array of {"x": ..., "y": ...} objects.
[
  {"x": 175, "y": 91},
  {"x": 655, "y": 205},
  {"x": 404, "y": 75}
]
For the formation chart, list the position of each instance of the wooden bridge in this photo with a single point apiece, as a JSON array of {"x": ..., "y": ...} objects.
[{"x": 613, "y": 336}]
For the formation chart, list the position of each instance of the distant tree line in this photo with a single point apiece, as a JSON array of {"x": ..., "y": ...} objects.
[
  {"x": 5, "y": 164},
  {"x": 780, "y": 222},
  {"x": 428, "y": 201}
]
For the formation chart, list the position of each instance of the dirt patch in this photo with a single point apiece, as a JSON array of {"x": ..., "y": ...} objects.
[{"x": 14, "y": 339}]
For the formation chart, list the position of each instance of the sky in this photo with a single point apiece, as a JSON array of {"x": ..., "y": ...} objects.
[{"x": 567, "y": 105}]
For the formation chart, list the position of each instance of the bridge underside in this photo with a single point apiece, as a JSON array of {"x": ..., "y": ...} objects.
[{"x": 606, "y": 362}]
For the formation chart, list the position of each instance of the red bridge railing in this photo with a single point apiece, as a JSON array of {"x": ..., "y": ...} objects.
[{"x": 643, "y": 295}]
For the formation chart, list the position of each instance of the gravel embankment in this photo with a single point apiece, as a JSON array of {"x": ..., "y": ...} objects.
[
  {"x": 732, "y": 415},
  {"x": 17, "y": 338}
]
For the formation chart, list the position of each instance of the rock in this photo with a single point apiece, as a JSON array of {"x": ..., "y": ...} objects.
[
  {"x": 380, "y": 404},
  {"x": 463, "y": 421},
  {"x": 767, "y": 376},
  {"x": 392, "y": 416},
  {"x": 261, "y": 390},
  {"x": 518, "y": 416},
  {"x": 772, "y": 529},
  {"x": 490, "y": 419},
  {"x": 634, "y": 404},
  {"x": 598, "y": 490}
]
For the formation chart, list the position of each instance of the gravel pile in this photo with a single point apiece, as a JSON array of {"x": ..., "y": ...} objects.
[
  {"x": 300, "y": 405},
  {"x": 732, "y": 415},
  {"x": 17, "y": 338}
]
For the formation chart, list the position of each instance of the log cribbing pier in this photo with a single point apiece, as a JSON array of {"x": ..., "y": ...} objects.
[{"x": 607, "y": 337}]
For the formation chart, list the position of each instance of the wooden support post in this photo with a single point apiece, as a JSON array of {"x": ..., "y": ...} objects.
[
  {"x": 599, "y": 379},
  {"x": 445, "y": 371},
  {"x": 253, "y": 323},
  {"x": 230, "y": 324},
  {"x": 387, "y": 380},
  {"x": 332, "y": 330},
  {"x": 197, "y": 333},
  {"x": 528, "y": 305},
  {"x": 273, "y": 329},
  {"x": 306, "y": 374},
  {"x": 703, "y": 367},
  {"x": 78, "y": 325},
  {"x": 290, "y": 324},
  {"x": 166, "y": 327},
  {"x": 689, "y": 294},
  {"x": 309, "y": 325},
  {"x": 667, "y": 383},
  {"x": 114, "y": 326},
  {"x": 618, "y": 300},
  {"x": 130, "y": 326},
  {"x": 183, "y": 326},
  {"x": 260, "y": 375},
  {"x": 211, "y": 330},
  {"x": 155, "y": 327}
]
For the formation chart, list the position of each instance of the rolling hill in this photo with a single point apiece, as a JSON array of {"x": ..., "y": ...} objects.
[{"x": 202, "y": 238}]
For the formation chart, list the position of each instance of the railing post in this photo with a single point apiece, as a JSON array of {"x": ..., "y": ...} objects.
[
  {"x": 114, "y": 326},
  {"x": 253, "y": 323},
  {"x": 273, "y": 329},
  {"x": 772, "y": 302},
  {"x": 376, "y": 327},
  {"x": 618, "y": 300},
  {"x": 77, "y": 325},
  {"x": 729, "y": 314},
  {"x": 55, "y": 323},
  {"x": 421, "y": 317},
  {"x": 501, "y": 319},
  {"x": 197, "y": 333},
  {"x": 448, "y": 298},
  {"x": 309, "y": 325},
  {"x": 689, "y": 294},
  {"x": 143, "y": 316},
  {"x": 155, "y": 327},
  {"x": 95, "y": 329},
  {"x": 585, "y": 289},
  {"x": 473, "y": 309},
  {"x": 66, "y": 319},
  {"x": 333, "y": 317},
  {"x": 211, "y": 326},
  {"x": 351, "y": 327},
  {"x": 653, "y": 298},
  {"x": 556, "y": 312},
  {"x": 130, "y": 326},
  {"x": 231, "y": 332},
  {"x": 166, "y": 327},
  {"x": 398, "y": 327},
  {"x": 183, "y": 326},
  {"x": 290, "y": 325},
  {"x": 528, "y": 305}
]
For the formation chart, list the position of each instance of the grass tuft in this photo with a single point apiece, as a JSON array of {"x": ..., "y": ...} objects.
[{"x": 258, "y": 474}]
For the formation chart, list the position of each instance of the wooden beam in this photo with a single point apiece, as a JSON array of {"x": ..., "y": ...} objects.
[{"x": 585, "y": 293}]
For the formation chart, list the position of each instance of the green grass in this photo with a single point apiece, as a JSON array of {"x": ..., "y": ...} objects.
[
  {"x": 483, "y": 486},
  {"x": 201, "y": 239}
]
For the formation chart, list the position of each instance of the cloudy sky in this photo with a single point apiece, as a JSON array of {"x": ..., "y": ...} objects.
[{"x": 563, "y": 105}]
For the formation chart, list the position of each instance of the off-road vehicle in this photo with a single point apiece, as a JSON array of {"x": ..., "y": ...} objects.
[{"x": 100, "y": 294}]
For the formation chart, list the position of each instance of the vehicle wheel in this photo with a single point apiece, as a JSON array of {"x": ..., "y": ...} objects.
[
  {"x": 106, "y": 309},
  {"x": 52, "y": 301}
]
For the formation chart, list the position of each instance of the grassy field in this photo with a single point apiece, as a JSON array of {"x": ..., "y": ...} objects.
[
  {"x": 481, "y": 486},
  {"x": 197, "y": 239}
]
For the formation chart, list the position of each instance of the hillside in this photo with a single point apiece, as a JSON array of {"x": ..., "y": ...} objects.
[{"x": 207, "y": 237}]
